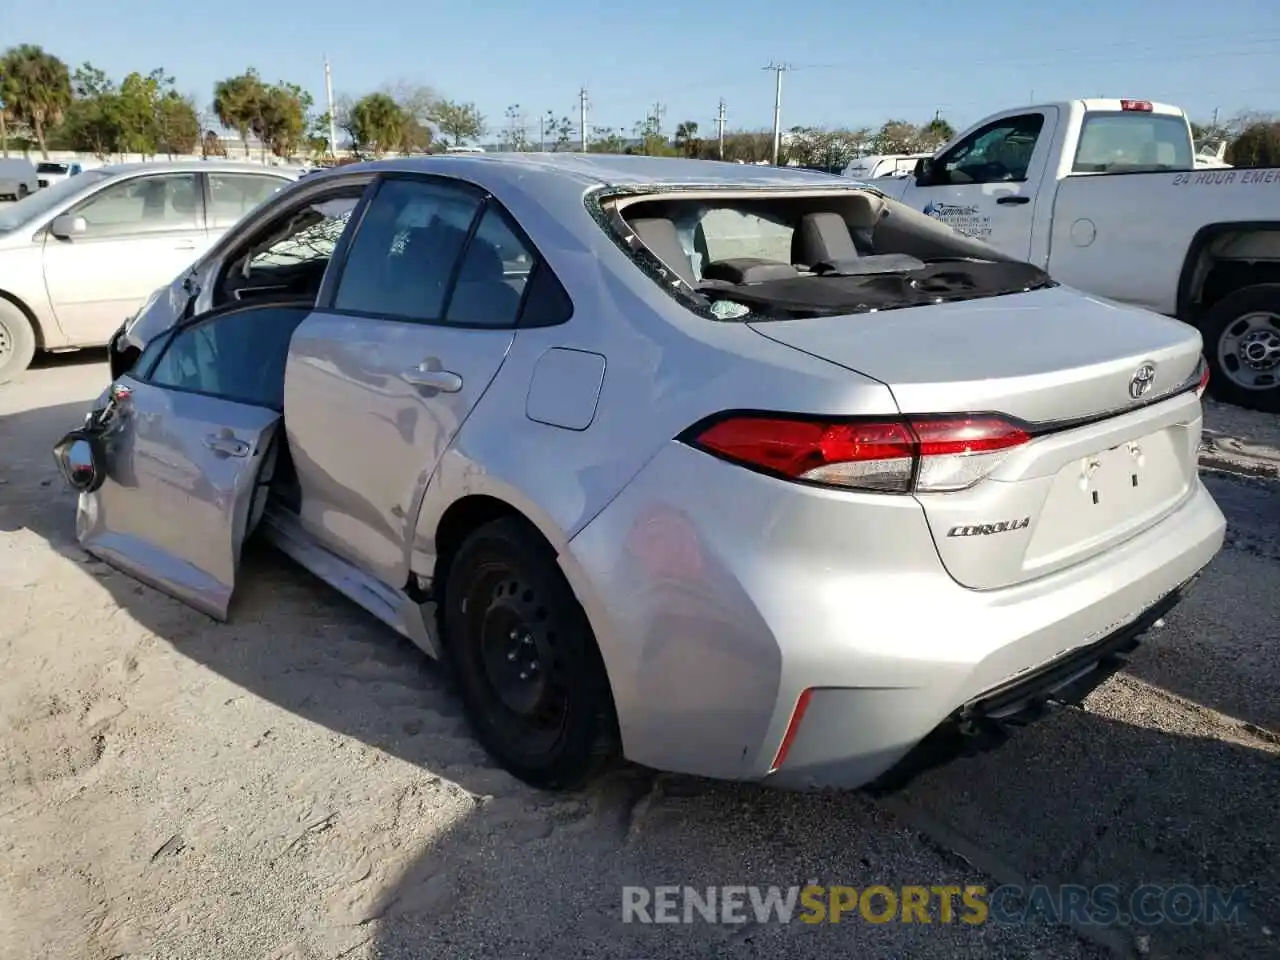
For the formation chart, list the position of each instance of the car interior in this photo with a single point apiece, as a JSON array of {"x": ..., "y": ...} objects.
[
  {"x": 786, "y": 255},
  {"x": 289, "y": 260}
]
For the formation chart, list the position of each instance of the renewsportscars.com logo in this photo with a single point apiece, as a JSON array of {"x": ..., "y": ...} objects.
[{"x": 1106, "y": 904}]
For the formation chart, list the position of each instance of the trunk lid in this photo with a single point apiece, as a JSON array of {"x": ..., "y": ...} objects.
[{"x": 1104, "y": 467}]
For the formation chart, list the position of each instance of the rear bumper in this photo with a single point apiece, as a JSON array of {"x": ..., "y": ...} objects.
[
  {"x": 986, "y": 721},
  {"x": 719, "y": 596}
]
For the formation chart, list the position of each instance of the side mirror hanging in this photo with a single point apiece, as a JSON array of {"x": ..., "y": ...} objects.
[{"x": 79, "y": 460}]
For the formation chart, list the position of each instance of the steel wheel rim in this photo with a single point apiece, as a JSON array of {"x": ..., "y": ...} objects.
[
  {"x": 513, "y": 646},
  {"x": 1249, "y": 350}
]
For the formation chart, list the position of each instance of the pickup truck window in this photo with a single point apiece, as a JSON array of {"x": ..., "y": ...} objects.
[
  {"x": 1133, "y": 143},
  {"x": 1000, "y": 152}
]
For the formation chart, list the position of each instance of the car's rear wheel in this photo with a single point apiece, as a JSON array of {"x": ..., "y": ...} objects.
[
  {"x": 17, "y": 341},
  {"x": 1242, "y": 342},
  {"x": 22, "y": 190},
  {"x": 526, "y": 663}
]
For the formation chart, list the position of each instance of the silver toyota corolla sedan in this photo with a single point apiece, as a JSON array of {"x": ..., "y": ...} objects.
[{"x": 730, "y": 470}]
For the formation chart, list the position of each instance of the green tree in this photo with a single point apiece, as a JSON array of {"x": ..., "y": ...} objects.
[
  {"x": 317, "y": 138},
  {"x": 376, "y": 124},
  {"x": 606, "y": 140},
  {"x": 236, "y": 103},
  {"x": 649, "y": 132},
  {"x": 751, "y": 146},
  {"x": 686, "y": 139},
  {"x": 138, "y": 97},
  {"x": 7, "y": 117},
  {"x": 935, "y": 133},
  {"x": 896, "y": 136},
  {"x": 92, "y": 121},
  {"x": 559, "y": 131},
  {"x": 281, "y": 120},
  {"x": 37, "y": 89},
  {"x": 418, "y": 104},
  {"x": 178, "y": 122},
  {"x": 1258, "y": 145},
  {"x": 515, "y": 133},
  {"x": 458, "y": 122}
]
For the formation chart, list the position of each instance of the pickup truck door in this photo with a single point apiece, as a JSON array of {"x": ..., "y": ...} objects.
[{"x": 986, "y": 185}]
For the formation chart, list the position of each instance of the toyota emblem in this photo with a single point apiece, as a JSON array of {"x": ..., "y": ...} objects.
[{"x": 1141, "y": 381}]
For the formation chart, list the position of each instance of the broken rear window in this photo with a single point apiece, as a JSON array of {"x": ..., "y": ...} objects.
[{"x": 781, "y": 254}]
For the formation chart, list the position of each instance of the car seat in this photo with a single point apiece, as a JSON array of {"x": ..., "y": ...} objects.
[{"x": 481, "y": 295}]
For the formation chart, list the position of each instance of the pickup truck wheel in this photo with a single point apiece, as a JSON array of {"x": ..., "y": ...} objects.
[
  {"x": 1242, "y": 342},
  {"x": 528, "y": 671},
  {"x": 17, "y": 341}
]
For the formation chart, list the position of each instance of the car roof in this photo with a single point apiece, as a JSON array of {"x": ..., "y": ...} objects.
[
  {"x": 193, "y": 166},
  {"x": 599, "y": 170}
]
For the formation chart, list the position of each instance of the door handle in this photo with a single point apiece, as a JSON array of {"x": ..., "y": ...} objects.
[
  {"x": 430, "y": 374},
  {"x": 1013, "y": 200},
  {"x": 225, "y": 445},
  {"x": 185, "y": 245}
]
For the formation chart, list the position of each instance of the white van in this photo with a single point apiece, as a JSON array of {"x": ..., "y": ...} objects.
[{"x": 17, "y": 178}]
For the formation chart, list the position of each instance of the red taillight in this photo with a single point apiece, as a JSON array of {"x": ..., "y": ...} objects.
[
  {"x": 793, "y": 727},
  {"x": 926, "y": 454},
  {"x": 1136, "y": 106},
  {"x": 1203, "y": 385}
]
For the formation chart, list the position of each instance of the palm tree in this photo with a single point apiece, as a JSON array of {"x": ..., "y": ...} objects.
[
  {"x": 237, "y": 102},
  {"x": 6, "y": 95},
  {"x": 37, "y": 89}
]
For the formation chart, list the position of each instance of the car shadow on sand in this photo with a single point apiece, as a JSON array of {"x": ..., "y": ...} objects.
[{"x": 1112, "y": 795}]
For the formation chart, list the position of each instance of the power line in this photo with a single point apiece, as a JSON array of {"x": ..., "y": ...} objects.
[{"x": 778, "y": 70}]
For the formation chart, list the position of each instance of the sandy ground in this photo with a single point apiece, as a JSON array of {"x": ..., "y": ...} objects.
[{"x": 298, "y": 784}]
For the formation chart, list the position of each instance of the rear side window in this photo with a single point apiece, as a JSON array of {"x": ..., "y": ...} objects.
[
  {"x": 1132, "y": 143},
  {"x": 403, "y": 256},
  {"x": 492, "y": 277},
  {"x": 232, "y": 195}
]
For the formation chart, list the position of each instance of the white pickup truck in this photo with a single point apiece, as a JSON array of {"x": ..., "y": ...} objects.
[{"x": 1106, "y": 196}]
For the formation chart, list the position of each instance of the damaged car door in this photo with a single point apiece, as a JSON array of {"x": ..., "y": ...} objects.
[{"x": 188, "y": 447}]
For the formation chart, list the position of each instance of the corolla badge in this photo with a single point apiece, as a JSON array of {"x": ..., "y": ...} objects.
[{"x": 1142, "y": 381}]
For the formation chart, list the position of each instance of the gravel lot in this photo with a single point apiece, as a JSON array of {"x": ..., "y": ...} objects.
[{"x": 298, "y": 784}]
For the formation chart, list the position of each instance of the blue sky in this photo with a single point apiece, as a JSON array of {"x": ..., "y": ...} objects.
[{"x": 853, "y": 67}]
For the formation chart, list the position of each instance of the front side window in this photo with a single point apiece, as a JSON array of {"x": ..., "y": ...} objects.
[
  {"x": 402, "y": 258},
  {"x": 238, "y": 355},
  {"x": 998, "y": 153},
  {"x": 232, "y": 195},
  {"x": 142, "y": 205}
]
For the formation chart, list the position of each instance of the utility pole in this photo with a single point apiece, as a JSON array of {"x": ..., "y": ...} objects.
[
  {"x": 720, "y": 125},
  {"x": 778, "y": 70},
  {"x": 582, "y": 117},
  {"x": 542, "y": 133},
  {"x": 658, "y": 112},
  {"x": 328, "y": 96}
]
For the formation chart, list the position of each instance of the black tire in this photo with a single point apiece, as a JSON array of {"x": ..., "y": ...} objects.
[
  {"x": 17, "y": 341},
  {"x": 526, "y": 664},
  {"x": 1224, "y": 321},
  {"x": 22, "y": 191}
]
